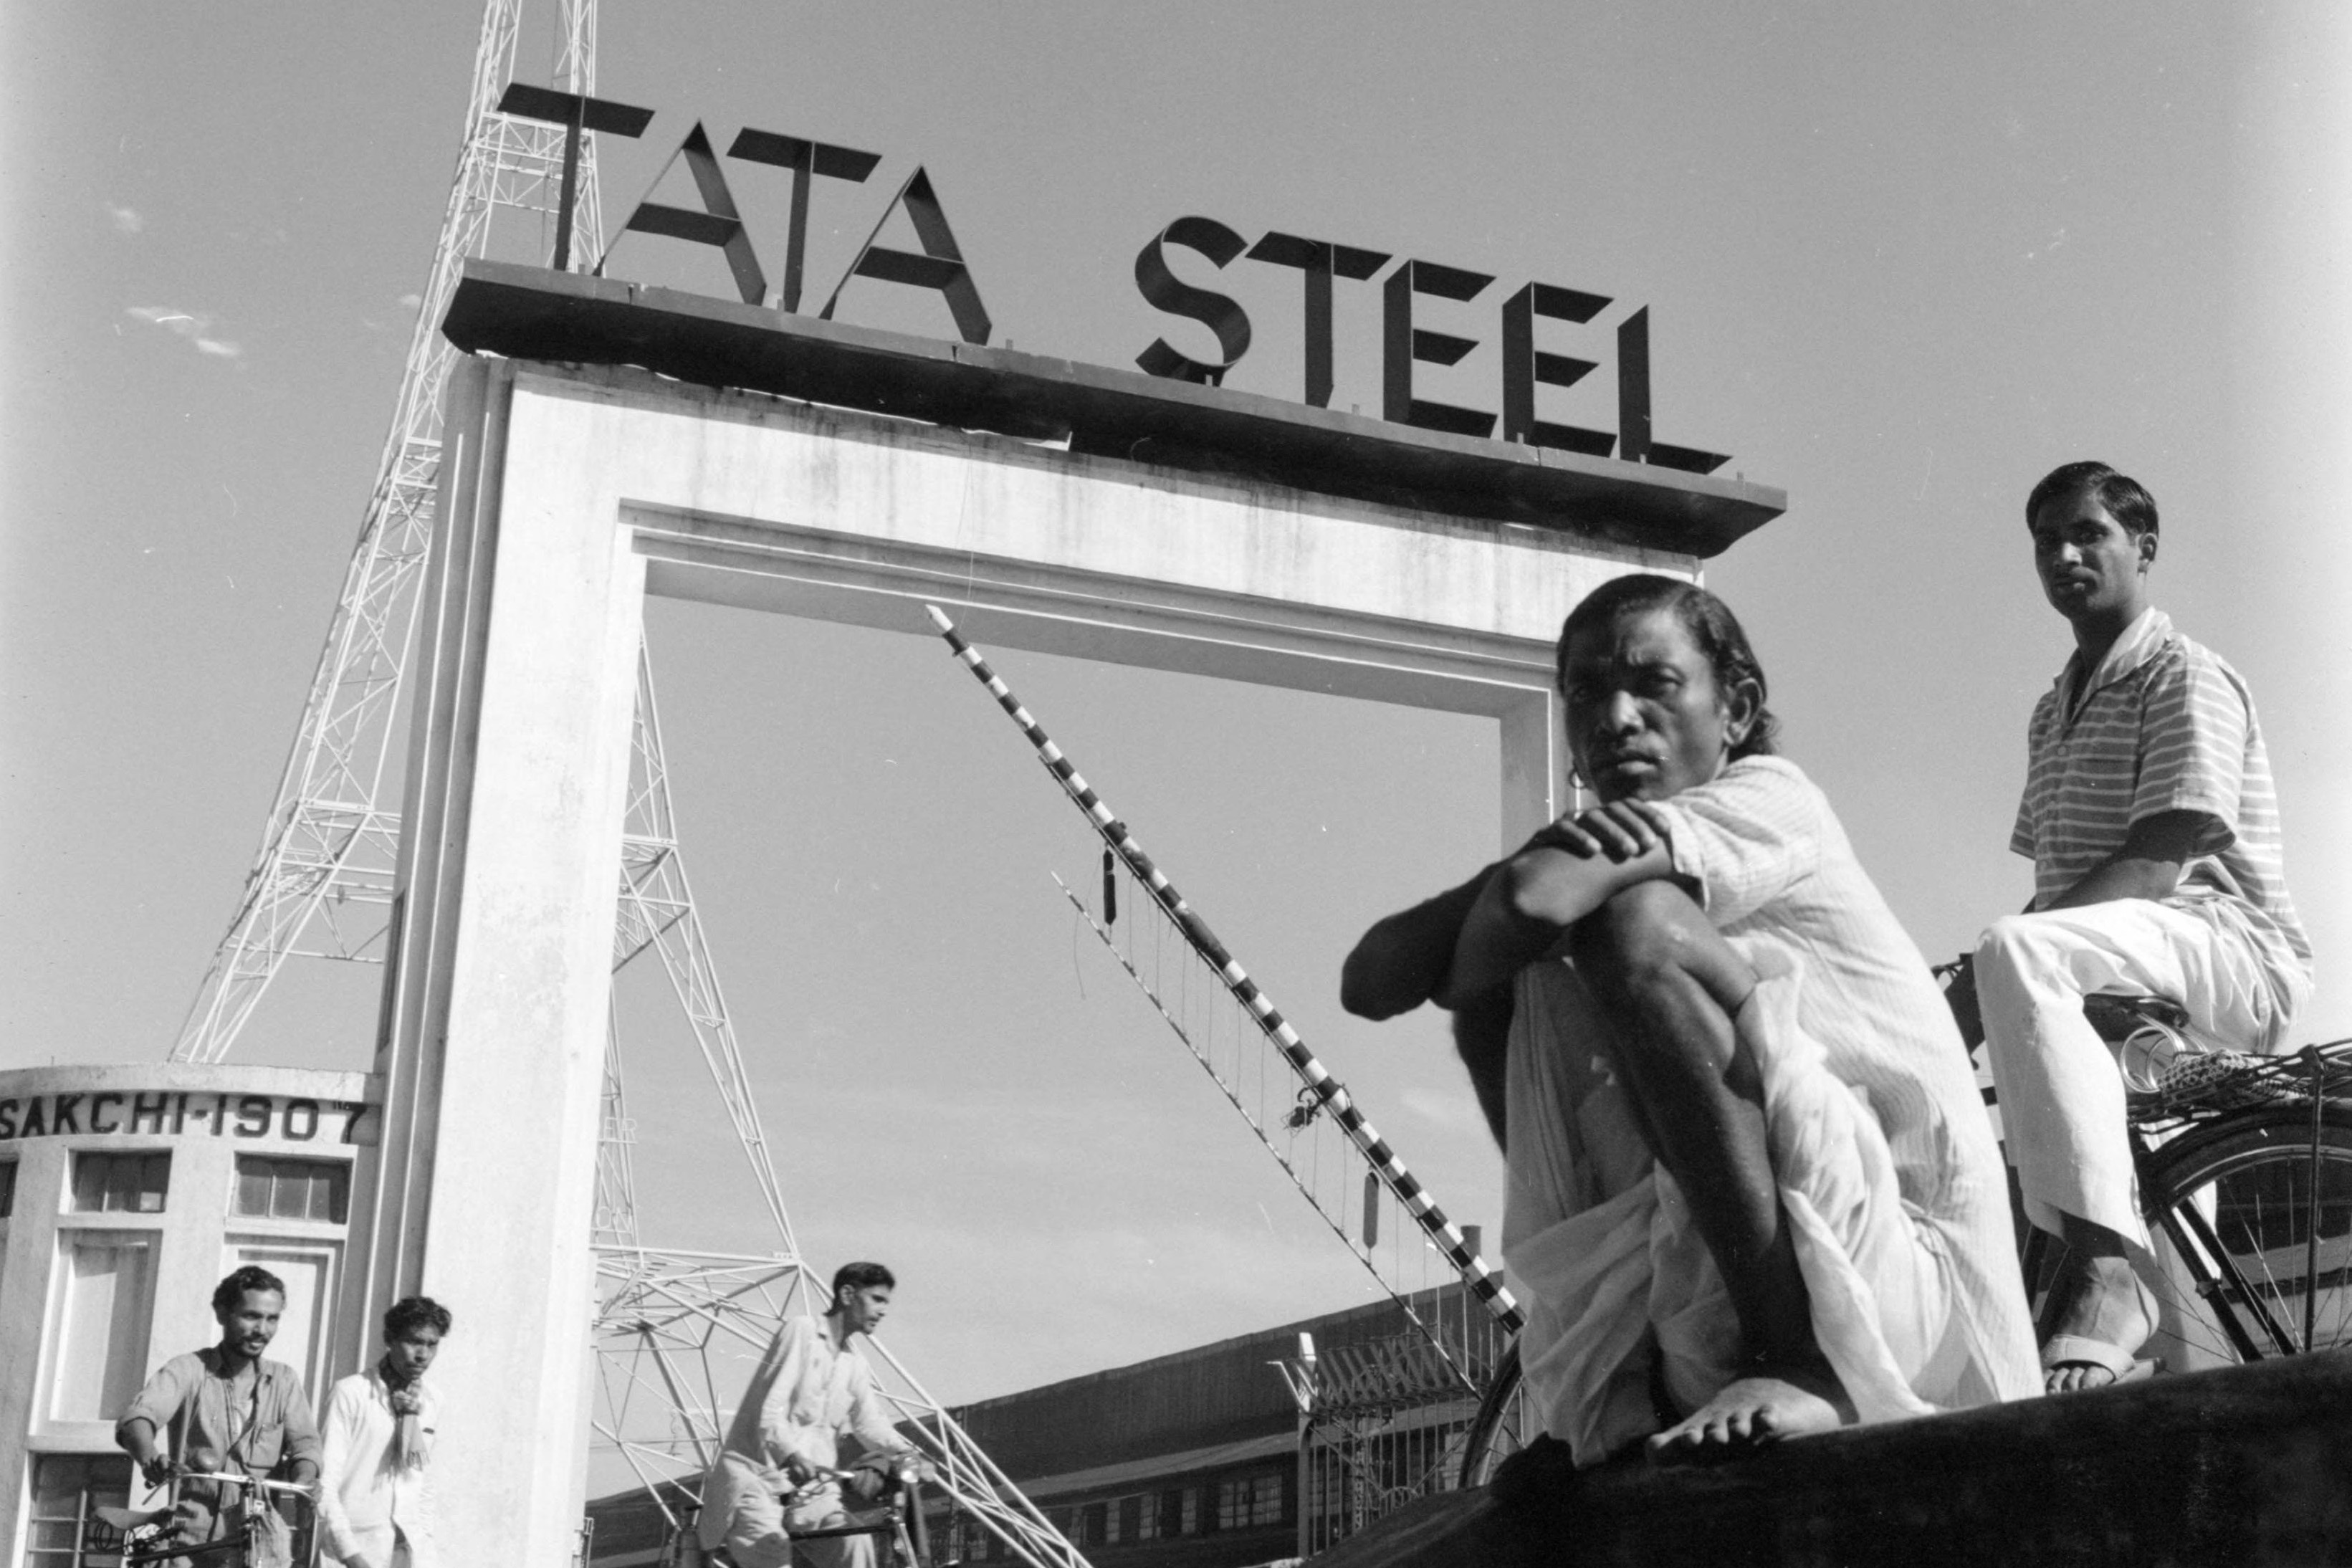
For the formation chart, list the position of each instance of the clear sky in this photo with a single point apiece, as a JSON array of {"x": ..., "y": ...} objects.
[{"x": 1900, "y": 261}]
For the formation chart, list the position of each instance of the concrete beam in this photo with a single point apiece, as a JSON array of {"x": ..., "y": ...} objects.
[
  {"x": 528, "y": 313},
  {"x": 495, "y": 1047}
]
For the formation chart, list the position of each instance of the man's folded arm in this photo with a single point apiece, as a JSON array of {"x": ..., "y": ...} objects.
[
  {"x": 2148, "y": 866},
  {"x": 1401, "y": 962},
  {"x": 1528, "y": 905}
]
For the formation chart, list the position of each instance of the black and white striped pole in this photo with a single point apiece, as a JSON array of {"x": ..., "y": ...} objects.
[{"x": 1329, "y": 1093}]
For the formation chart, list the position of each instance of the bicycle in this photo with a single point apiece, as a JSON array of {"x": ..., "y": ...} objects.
[
  {"x": 152, "y": 1535},
  {"x": 2245, "y": 1178},
  {"x": 895, "y": 1519}
]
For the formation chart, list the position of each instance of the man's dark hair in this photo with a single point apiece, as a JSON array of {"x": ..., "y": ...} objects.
[
  {"x": 2125, "y": 499},
  {"x": 411, "y": 1313},
  {"x": 252, "y": 1277},
  {"x": 1711, "y": 624},
  {"x": 858, "y": 1276}
]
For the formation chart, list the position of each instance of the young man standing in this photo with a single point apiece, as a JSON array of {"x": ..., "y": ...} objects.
[
  {"x": 374, "y": 1509},
  {"x": 2154, "y": 831},
  {"x": 225, "y": 1409},
  {"x": 1752, "y": 1190},
  {"x": 809, "y": 1390}
]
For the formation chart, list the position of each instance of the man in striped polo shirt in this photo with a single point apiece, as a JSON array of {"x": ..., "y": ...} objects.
[{"x": 2154, "y": 830}]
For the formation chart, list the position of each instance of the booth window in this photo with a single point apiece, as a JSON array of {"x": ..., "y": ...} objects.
[
  {"x": 120, "y": 1183},
  {"x": 317, "y": 1190},
  {"x": 68, "y": 1489},
  {"x": 106, "y": 1283}
]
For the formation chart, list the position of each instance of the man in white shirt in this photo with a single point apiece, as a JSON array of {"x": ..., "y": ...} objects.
[
  {"x": 1752, "y": 1190},
  {"x": 777, "y": 1473},
  {"x": 375, "y": 1507},
  {"x": 2153, "y": 826}
]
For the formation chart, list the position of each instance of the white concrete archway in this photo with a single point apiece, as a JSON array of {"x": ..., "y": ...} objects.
[{"x": 566, "y": 495}]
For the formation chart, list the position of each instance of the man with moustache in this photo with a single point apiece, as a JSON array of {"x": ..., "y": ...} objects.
[
  {"x": 1752, "y": 1193},
  {"x": 225, "y": 1409}
]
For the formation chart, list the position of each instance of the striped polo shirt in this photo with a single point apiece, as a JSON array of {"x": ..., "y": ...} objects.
[{"x": 2163, "y": 724}]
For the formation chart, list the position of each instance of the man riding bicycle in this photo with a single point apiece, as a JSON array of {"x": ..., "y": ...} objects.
[
  {"x": 225, "y": 1410},
  {"x": 2154, "y": 830},
  {"x": 778, "y": 1476}
]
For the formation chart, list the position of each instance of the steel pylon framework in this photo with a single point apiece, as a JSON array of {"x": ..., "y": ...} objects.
[
  {"x": 675, "y": 1332},
  {"x": 322, "y": 885},
  {"x": 678, "y": 1332}
]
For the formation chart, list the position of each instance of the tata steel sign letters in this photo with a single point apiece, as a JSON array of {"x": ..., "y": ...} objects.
[{"x": 939, "y": 265}]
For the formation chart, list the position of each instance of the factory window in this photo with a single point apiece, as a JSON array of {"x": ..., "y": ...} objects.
[
  {"x": 1246, "y": 1501},
  {"x": 1128, "y": 1522},
  {"x": 106, "y": 1282},
  {"x": 120, "y": 1183},
  {"x": 318, "y": 1190},
  {"x": 1188, "y": 1511},
  {"x": 68, "y": 1489},
  {"x": 1093, "y": 1523}
]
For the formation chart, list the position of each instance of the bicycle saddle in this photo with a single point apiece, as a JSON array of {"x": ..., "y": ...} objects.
[{"x": 131, "y": 1518}]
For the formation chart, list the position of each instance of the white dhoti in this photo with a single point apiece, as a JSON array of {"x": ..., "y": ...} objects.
[
  {"x": 2062, "y": 1093},
  {"x": 1621, "y": 1286}
]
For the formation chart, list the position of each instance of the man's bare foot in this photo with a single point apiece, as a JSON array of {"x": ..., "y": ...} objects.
[
  {"x": 2101, "y": 1300},
  {"x": 1769, "y": 1405}
]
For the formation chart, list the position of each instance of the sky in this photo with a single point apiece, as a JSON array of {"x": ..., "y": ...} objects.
[{"x": 1899, "y": 261}]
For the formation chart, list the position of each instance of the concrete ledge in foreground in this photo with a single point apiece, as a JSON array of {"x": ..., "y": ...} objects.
[{"x": 2243, "y": 1466}]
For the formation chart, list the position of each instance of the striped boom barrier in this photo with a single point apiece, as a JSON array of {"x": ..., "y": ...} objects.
[{"x": 1329, "y": 1093}]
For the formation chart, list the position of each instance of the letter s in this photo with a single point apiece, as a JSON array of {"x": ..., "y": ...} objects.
[{"x": 1165, "y": 292}]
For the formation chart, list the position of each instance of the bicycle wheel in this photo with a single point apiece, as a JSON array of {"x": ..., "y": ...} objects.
[
  {"x": 1500, "y": 1428},
  {"x": 2254, "y": 1227}
]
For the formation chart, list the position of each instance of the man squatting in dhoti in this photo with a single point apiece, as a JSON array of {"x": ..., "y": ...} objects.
[
  {"x": 225, "y": 1409},
  {"x": 1752, "y": 1191},
  {"x": 809, "y": 1390},
  {"x": 2154, "y": 831},
  {"x": 375, "y": 1509}
]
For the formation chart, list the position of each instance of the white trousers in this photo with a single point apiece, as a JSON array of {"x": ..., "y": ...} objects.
[
  {"x": 760, "y": 1534},
  {"x": 2062, "y": 1092},
  {"x": 1617, "y": 1280}
]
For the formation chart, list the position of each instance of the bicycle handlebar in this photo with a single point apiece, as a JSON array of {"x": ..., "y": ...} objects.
[{"x": 224, "y": 1477}]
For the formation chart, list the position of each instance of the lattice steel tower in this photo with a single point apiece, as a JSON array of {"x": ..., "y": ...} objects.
[{"x": 322, "y": 884}]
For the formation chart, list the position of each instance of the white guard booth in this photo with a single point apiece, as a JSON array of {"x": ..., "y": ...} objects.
[{"x": 631, "y": 441}]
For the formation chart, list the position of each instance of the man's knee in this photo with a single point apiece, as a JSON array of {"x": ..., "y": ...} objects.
[
  {"x": 1636, "y": 930},
  {"x": 1646, "y": 945},
  {"x": 2003, "y": 939},
  {"x": 763, "y": 1548},
  {"x": 2015, "y": 948}
]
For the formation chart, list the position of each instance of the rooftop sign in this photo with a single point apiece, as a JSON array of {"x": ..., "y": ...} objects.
[{"x": 939, "y": 265}]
